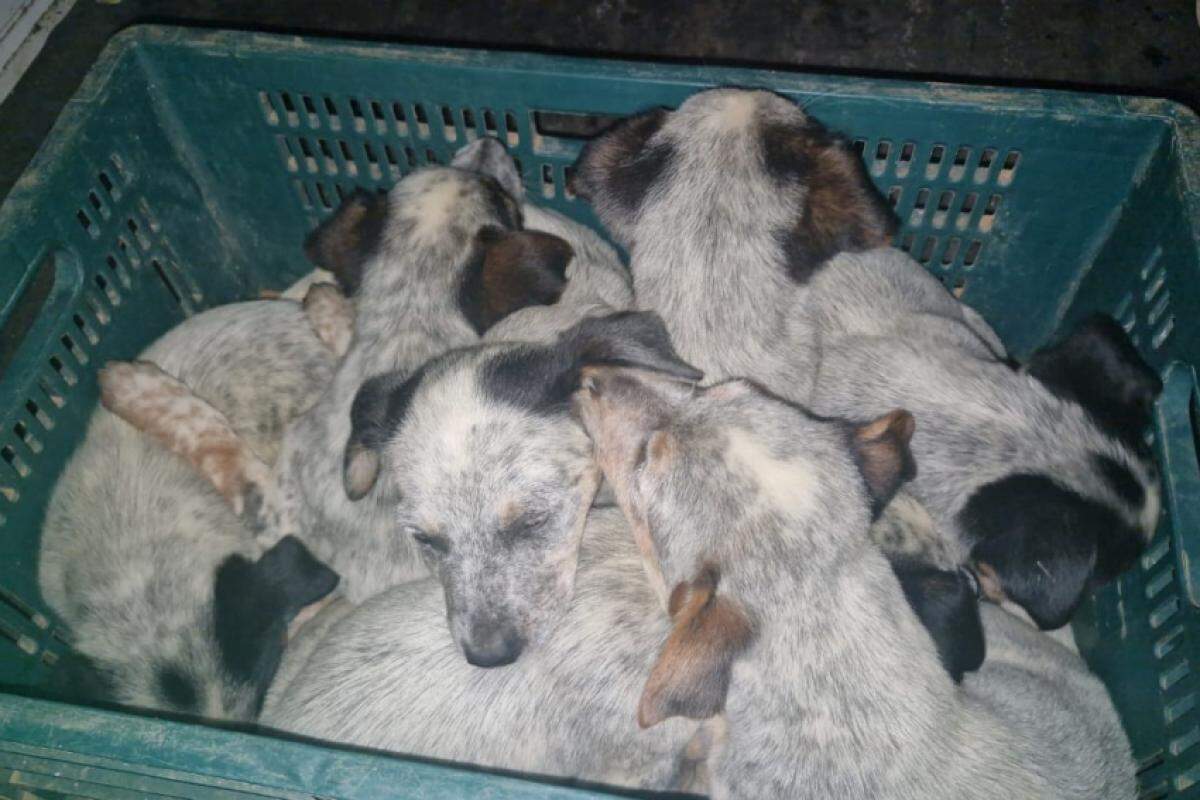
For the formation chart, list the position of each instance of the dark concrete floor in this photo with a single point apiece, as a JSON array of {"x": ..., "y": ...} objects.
[{"x": 1118, "y": 45}]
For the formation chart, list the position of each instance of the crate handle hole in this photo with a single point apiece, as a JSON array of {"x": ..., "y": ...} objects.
[{"x": 568, "y": 125}]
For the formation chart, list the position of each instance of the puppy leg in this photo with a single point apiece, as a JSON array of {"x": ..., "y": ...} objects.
[
  {"x": 164, "y": 408},
  {"x": 331, "y": 315}
]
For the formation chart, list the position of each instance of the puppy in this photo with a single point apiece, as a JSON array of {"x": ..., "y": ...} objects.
[
  {"x": 429, "y": 266},
  {"x": 387, "y": 675},
  {"x": 493, "y": 477},
  {"x": 171, "y": 604},
  {"x": 759, "y": 239},
  {"x": 789, "y": 624},
  {"x": 1037, "y": 474}
]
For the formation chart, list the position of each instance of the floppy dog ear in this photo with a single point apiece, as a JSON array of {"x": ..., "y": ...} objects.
[
  {"x": 1046, "y": 545},
  {"x": 1098, "y": 367},
  {"x": 512, "y": 270},
  {"x": 616, "y": 169},
  {"x": 377, "y": 410},
  {"x": 629, "y": 339},
  {"x": 253, "y": 602},
  {"x": 947, "y": 604},
  {"x": 345, "y": 240},
  {"x": 691, "y": 676},
  {"x": 843, "y": 211},
  {"x": 881, "y": 450}
]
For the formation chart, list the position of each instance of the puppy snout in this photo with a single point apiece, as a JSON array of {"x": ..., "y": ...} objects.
[{"x": 492, "y": 644}]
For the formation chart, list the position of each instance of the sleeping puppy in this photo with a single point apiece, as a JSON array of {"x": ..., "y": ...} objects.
[
  {"x": 757, "y": 236},
  {"x": 1037, "y": 474},
  {"x": 170, "y": 602},
  {"x": 789, "y": 626},
  {"x": 429, "y": 266},
  {"x": 387, "y": 675}
]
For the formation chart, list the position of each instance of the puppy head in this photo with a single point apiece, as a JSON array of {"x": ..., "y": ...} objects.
[
  {"x": 218, "y": 663},
  {"x": 1053, "y": 536},
  {"x": 445, "y": 234},
  {"x": 750, "y": 157},
  {"x": 493, "y": 477},
  {"x": 730, "y": 484},
  {"x": 693, "y": 464}
]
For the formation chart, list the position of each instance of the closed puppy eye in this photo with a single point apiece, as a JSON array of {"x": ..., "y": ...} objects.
[{"x": 436, "y": 544}]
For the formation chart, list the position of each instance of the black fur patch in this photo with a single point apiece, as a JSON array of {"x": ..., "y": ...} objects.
[
  {"x": 253, "y": 602},
  {"x": 1048, "y": 545},
  {"x": 1121, "y": 480},
  {"x": 380, "y": 405},
  {"x": 843, "y": 212},
  {"x": 946, "y": 604},
  {"x": 177, "y": 689},
  {"x": 1098, "y": 367},
  {"x": 542, "y": 379},
  {"x": 619, "y": 163},
  {"x": 344, "y": 241},
  {"x": 511, "y": 270}
]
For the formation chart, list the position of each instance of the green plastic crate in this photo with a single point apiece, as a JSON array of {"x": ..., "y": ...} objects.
[{"x": 189, "y": 166}]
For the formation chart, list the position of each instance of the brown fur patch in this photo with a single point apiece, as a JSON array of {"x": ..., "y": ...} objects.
[
  {"x": 691, "y": 676},
  {"x": 881, "y": 447},
  {"x": 515, "y": 269},
  {"x": 661, "y": 449},
  {"x": 843, "y": 212},
  {"x": 345, "y": 240},
  {"x": 165, "y": 409}
]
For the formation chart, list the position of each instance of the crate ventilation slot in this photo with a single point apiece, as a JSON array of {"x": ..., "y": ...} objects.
[{"x": 332, "y": 145}]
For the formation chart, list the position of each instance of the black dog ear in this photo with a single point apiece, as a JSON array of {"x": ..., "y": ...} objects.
[
  {"x": 881, "y": 450},
  {"x": 253, "y": 603},
  {"x": 1046, "y": 545},
  {"x": 1098, "y": 367},
  {"x": 512, "y": 270},
  {"x": 542, "y": 379},
  {"x": 628, "y": 339},
  {"x": 377, "y": 411},
  {"x": 947, "y": 604},
  {"x": 616, "y": 169},
  {"x": 344, "y": 241},
  {"x": 843, "y": 211}
]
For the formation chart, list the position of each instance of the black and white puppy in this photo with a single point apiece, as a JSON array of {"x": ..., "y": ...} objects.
[
  {"x": 757, "y": 236},
  {"x": 171, "y": 604}
]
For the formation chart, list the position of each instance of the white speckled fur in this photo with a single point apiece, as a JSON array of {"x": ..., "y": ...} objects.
[{"x": 133, "y": 535}]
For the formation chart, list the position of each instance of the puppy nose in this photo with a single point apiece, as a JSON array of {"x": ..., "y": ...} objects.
[{"x": 492, "y": 645}]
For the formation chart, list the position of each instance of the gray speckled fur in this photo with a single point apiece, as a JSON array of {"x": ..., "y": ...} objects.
[
  {"x": 133, "y": 536},
  {"x": 890, "y": 336},
  {"x": 389, "y": 676},
  {"x": 406, "y": 312},
  {"x": 869, "y": 332},
  {"x": 597, "y": 284},
  {"x": 772, "y": 496},
  {"x": 703, "y": 246}
]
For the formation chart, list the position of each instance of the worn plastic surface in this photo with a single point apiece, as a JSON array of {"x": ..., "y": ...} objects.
[{"x": 189, "y": 166}]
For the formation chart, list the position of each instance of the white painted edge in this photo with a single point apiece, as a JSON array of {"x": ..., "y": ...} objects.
[{"x": 24, "y": 39}]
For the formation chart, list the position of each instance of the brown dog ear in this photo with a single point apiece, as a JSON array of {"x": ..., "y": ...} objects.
[
  {"x": 883, "y": 456},
  {"x": 512, "y": 270},
  {"x": 691, "y": 676},
  {"x": 843, "y": 211},
  {"x": 343, "y": 242}
]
